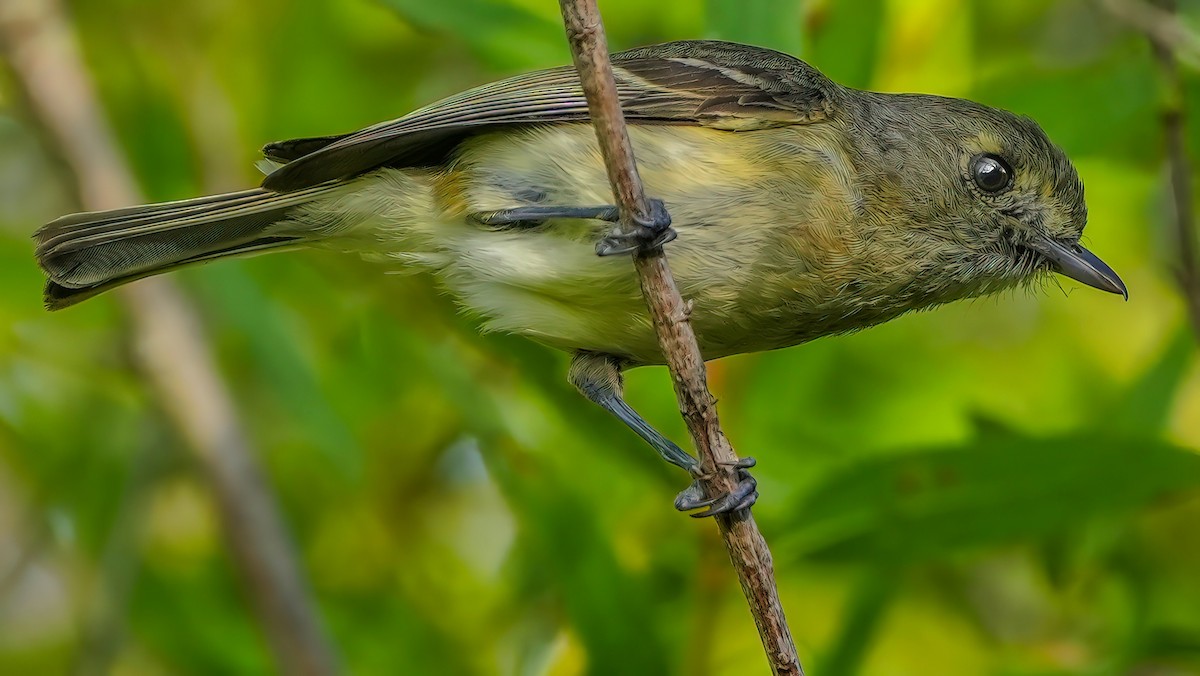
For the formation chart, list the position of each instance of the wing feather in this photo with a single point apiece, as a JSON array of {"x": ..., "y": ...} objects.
[{"x": 703, "y": 83}]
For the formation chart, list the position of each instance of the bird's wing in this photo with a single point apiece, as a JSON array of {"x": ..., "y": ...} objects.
[{"x": 706, "y": 83}]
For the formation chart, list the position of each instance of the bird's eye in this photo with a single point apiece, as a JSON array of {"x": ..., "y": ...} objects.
[{"x": 991, "y": 173}]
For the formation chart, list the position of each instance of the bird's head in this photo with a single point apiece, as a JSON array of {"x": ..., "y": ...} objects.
[{"x": 1006, "y": 202}]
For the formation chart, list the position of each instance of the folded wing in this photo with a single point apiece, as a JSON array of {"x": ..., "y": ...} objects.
[{"x": 705, "y": 83}]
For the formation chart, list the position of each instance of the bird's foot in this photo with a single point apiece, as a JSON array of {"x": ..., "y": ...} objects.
[
  {"x": 648, "y": 233},
  {"x": 743, "y": 495}
]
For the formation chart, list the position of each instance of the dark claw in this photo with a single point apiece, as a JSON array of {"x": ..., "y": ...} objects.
[
  {"x": 649, "y": 234},
  {"x": 691, "y": 498},
  {"x": 731, "y": 503},
  {"x": 743, "y": 496},
  {"x": 744, "y": 463}
]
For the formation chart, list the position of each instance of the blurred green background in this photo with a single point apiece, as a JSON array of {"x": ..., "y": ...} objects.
[{"x": 1006, "y": 486}]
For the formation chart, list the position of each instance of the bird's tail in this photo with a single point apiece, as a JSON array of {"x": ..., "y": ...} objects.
[{"x": 89, "y": 253}]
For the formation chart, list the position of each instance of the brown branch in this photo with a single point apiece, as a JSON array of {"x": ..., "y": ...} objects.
[
  {"x": 168, "y": 337},
  {"x": 747, "y": 549},
  {"x": 1160, "y": 24},
  {"x": 1174, "y": 120}
]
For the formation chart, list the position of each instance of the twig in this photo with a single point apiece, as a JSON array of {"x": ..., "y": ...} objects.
[
  {"x": 168, "y": 337},
  {"x": 747, "y": 549},
  {"x": 1161, "y": 25},
  {"x": 1174, "y": 119}
]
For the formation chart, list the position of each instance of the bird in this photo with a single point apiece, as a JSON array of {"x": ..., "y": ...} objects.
[{"x": 790, "y": 207}]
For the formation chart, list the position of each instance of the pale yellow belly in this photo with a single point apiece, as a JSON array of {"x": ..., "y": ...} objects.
[{"x": 756, "y": 225}]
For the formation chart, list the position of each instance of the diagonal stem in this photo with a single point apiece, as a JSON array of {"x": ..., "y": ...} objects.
[
  {"x": 1174, "y": 117},
  {"x": 168, "y": 336},
  {"x": 747, "y": 549},
  {"x": 1172, "y": 42},
  {"x": 1160, "y": 23}
]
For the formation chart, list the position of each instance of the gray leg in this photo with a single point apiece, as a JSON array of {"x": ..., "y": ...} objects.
[
  {"x": 533, "y": 216},
  {"x": 598, "y": 377},
  {"x": 652, "y": 233}
]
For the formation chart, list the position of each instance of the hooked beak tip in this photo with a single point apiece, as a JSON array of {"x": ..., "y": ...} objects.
[{"x": 1074, "y": 261}]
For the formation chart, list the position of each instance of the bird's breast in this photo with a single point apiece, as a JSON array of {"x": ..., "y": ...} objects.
[{"x": 774, "y": 247}]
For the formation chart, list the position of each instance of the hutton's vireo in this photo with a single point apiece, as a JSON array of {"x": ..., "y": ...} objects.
[{"x": 803, "y": 209}]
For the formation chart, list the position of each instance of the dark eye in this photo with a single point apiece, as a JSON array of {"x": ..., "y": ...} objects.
[{"x": 991, "y": 173}]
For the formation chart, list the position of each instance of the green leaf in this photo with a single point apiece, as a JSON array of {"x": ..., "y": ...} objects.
[
  {"x": 493, "y": 29},
  {"x": 563, "y": 550},
  {"x": 933, "y": 502},
  {"x": 767, "y": 23},
  {"x": 1115, "y": 125},
  {"x": 238, "y": 303},
  {"x": 1148, "y": 401},
  {"x": 865, "y": 612},
  {"x": 210, "y": 632},
  {"x": 844, "y": 40}
]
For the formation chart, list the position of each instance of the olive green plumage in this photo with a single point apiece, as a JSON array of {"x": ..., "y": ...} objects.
[{"x": 803, "y": 208}]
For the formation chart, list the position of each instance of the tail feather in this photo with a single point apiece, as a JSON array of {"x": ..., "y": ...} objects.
[
  {"x": 89, "y": 253},
  {"x": 78, "y": 230},
  {"x": 57, "y": 296}
]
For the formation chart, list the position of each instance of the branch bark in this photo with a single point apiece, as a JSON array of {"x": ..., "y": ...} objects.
[
  {"x": 1160, "y": 24},
  {"x": 746, "y": 546},
  {"x": 168, "y": 337}
]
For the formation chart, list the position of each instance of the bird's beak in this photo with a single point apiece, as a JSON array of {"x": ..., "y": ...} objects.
[{"x": 1081, "y": 265}]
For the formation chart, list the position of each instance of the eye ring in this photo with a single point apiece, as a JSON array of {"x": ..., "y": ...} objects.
[{"x": 991, "y": 173}]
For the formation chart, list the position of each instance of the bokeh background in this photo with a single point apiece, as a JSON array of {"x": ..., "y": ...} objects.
[{"x": 1006, "y": 486}]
